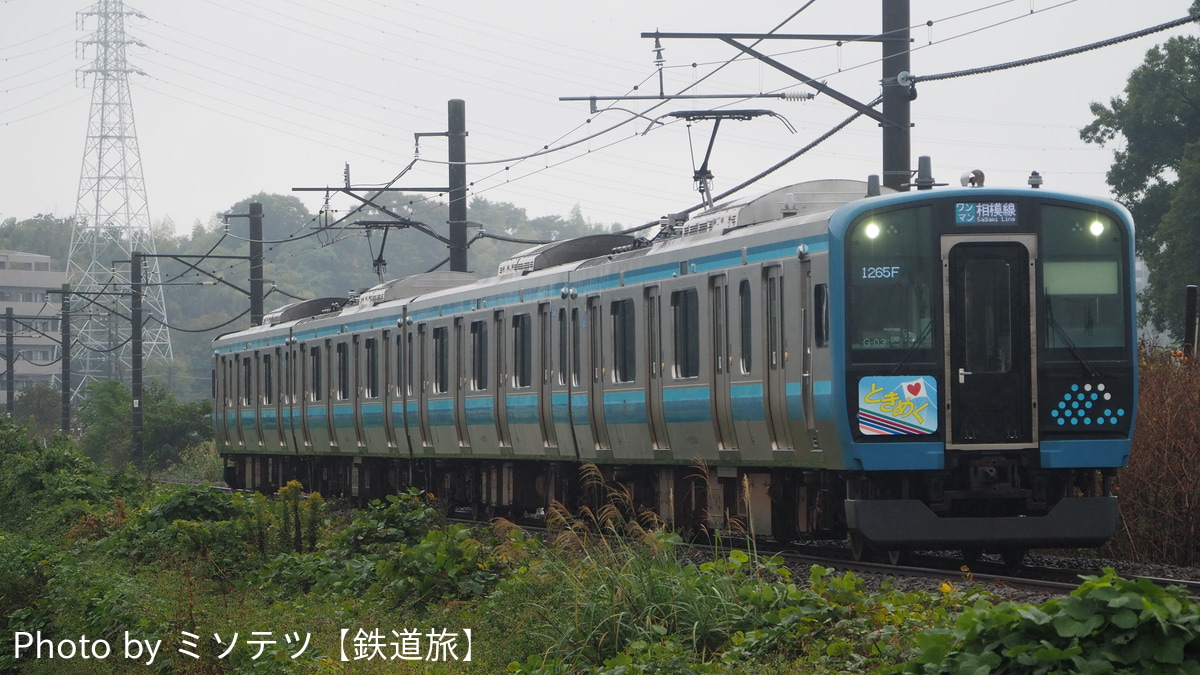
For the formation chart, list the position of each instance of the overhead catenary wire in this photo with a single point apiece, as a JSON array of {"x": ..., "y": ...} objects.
[{"x": 1059, "y": 54}]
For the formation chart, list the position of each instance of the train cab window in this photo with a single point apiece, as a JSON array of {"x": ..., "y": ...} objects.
[
  {"x": 371, "y": 385},
  {"x": 624, "y": 341},
  {"x": 522, "y": 350},
  {"x": 479, "y": 355},
  {"x": 821, "y": 315},
  {"x": 343, "y": 371},
  {"x": 685, "y": 315},
  {"x": 268, "y": 380},
  {"x": 745, "y": 325},
  {"x": 1082, "y": 272},
  {"x": 441, "y": 360},
  {"x": 890, "y": 291},
  {"x": 314, "y": 369}
]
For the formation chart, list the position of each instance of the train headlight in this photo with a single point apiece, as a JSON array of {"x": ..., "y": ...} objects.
[
  {"x": 1096, "y": 228},
  {"x": 871, "y": 230}
]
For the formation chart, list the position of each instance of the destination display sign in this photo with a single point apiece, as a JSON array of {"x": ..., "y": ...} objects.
[{"x": 985, "y": 213}]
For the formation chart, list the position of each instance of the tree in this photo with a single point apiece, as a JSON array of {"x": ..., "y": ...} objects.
[
  {"x": 106, "y": 418},
  {"x": 170, "y": 427},
  {"x": 38, "y": 408},
  {"x": 1159, "y": 120}
]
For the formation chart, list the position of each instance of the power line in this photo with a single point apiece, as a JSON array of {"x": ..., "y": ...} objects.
[{"x": 1059, "y": 54}]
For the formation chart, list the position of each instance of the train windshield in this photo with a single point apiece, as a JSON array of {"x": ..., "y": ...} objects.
[
  {"x": 890, "y": 294},
  {"x": 1082, "y": 272}
]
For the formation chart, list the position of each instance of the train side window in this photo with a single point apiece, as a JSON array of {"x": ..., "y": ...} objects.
[
  {"x": 522, "y": 350},
  {"x": 268, "y": 380},
  {"x": 685, "y": 313},
  {"x": 441, "y": 360},
  {"x": 403, "y": 366},
  {"x": 575, "y": 347},
  {"x": 247, "y": 380},
  {"x": 343, "y": 370},
  {"x": 624, "y": 341},
  {"x": 821, "y": 315},
  {"x": 314, "y": 368},
  {"x": 371, "y": 388},
  {"x": 422, "y": 354},
  {"x": 285, "y": 392},
  {"x": 562, "y": 345},
  {"x": 479, "y": 355},
  {"x": 747, "y": 344},
  {"x": 774, "y": 322}
]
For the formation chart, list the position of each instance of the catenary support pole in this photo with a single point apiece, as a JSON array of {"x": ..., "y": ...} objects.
[
  {"x": 65, "y": 376},
  {"x": 256, "y": 264},
  {"x": 135, "y": 305},
  {"x": 456, "y": 110},
  {"x": 897, "y": 162}
]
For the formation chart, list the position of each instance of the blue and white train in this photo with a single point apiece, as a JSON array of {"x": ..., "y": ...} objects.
[{"x": 941, "y": 368}]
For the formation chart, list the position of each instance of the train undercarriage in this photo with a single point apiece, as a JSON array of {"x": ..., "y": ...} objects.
[{"x": 981, "y": 503}]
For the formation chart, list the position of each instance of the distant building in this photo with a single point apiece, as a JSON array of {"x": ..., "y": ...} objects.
[{"x": 24, "y": 280}]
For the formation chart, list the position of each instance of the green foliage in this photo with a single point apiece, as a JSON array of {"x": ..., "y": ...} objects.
[
  {"x": 398, "y": 519},
  {"x": 168, "y": 426},
  {"x": 105, "y": 415},
  {"x": 47, "y": 488},
  {"x": 200, "y": 462},
  {"x": 446, "y": 563},
  {"x": 1153, "y": 167},
  {"x": 43, "y": 234},
  {"x": 1107, "y": 625},
  {"x": 39, "y": 409}
]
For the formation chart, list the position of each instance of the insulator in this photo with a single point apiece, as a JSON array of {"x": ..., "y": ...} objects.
[{"x": 798, "y": 96}]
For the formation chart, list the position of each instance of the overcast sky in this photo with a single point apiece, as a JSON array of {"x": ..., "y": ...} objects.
[{"x": 239, "y": 97}]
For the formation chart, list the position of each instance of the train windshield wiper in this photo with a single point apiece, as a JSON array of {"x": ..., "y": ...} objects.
[
  {"x": 1062, "y": 334},
  {"x": 912, "y": 349}
]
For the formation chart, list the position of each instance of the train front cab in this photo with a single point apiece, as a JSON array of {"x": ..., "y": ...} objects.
[{"x": 988, "y": 348}]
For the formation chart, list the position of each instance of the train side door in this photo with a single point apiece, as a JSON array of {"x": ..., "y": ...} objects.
[
  {"x": 722, "y": 363},
  {"x": 595, "y": 330},
  {"x": 991, "y": 355},
  {"x": 503, "y": 438},
  {"x": 775, "y": 357},
  {"x": 459, "y": 385},
  {"x": 655, "y": 363},
  {"x": 544, "y": 374}
]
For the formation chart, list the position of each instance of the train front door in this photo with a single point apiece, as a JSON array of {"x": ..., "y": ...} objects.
[{"x": 991, "y": 353}]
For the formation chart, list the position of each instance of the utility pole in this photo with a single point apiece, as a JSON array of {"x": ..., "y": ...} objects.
[
  {"x": 256, "y": 264},
  {"x": 10, "y": 357},
  {"x": 897, "y": 95},
  {"x": 65, "y": 350},
  {"x": 256, "y": 260},
  {"x": 135, "y": 311},
  {"x": 456, "y": 241},
  {"x": 457, "y": 126}
]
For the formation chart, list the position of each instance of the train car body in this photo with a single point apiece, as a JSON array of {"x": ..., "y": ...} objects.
[{"x": 948, "y": 368}]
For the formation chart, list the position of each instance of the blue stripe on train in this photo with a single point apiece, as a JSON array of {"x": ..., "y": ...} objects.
[{"x": 687, "y": 404}]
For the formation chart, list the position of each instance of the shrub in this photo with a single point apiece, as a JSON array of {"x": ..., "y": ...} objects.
[
  {"x": 386, "y": 523},
  {"x": 1160, "y": 489},
  {"x": 1107, "y": 625}
]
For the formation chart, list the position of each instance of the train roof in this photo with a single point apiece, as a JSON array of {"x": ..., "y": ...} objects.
[
  {"x": 814, "y": 196},
  {"x": 566, "y": 251}
]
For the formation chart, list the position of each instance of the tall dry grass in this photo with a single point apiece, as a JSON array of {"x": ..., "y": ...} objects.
[{"x": 1160, "y": 489}]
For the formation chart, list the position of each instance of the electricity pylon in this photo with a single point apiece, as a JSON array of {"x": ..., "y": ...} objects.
[{"x": 112, "y": 218}]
